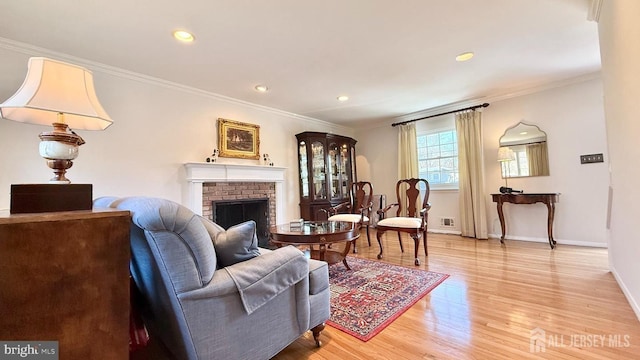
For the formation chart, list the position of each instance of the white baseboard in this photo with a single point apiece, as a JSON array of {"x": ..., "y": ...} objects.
[
  {"x": 626, "y": 292},
  {"x": 559, "y": 241},
  {"x": 440, "y": 231}
]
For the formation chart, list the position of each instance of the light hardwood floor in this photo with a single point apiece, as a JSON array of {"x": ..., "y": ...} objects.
[{"x": 495, "y": 297}]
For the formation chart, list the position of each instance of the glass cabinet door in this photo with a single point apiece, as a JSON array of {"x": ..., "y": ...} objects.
[
  {"x": 304, "y": 172},
  {"x": 345, "y": 169},
  {"x": 318, "y": 168},
  {"x": 333, "y": 163}
]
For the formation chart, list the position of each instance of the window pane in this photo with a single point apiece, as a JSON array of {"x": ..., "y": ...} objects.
[
  {"x": 447, "y": 137},
  {"x": 438, "y": 157},
  {"x": 447, "y": 164},
  {"x": 447, "y": 150},
  {"x": 448, "y": 177},
  {"x": 433, "y": 152},
  {"x": 422, "y": 166},
  {"x": 433, "y": 139},
  {"x": 433, "y": 165},
  {"x": 433, "y": 178}
]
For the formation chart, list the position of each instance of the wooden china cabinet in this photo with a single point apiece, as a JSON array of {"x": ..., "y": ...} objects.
[{"x": 327, "y": 166}]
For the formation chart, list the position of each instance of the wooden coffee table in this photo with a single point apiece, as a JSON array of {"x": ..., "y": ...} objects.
[{"x": 318, "y": 234}]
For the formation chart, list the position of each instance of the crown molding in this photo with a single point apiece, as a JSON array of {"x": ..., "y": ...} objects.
[
  {"x": 594, "y": 10},
  {"x": 32, "y": 50}
]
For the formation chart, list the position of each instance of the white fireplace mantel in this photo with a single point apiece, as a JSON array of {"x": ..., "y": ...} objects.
[{"x": 200, "y": 173}]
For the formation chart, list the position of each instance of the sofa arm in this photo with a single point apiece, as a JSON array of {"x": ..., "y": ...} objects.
[
  {"x": 258, "y": 280},
  {"x": 318, "y": 276}
]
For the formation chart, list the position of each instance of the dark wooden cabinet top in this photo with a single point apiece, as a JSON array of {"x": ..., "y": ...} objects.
[
  {"x": 7, "y": 218},
  {"x": 526, "y": 198}
]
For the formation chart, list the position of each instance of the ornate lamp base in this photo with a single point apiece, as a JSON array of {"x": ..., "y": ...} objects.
[
  {"x": 59, "y": 147},
  {"x": 59, "y": 168}
]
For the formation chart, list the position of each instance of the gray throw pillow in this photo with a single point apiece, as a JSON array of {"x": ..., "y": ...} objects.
[{"x": 238, "y": 243}]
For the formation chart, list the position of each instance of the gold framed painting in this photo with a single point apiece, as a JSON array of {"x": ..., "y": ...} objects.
[{"x": 238, "y": 140}]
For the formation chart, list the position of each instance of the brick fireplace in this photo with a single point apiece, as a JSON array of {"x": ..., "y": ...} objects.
[
  {"x": 207, "y": 182},
  {"x": 224, "y": 191}
]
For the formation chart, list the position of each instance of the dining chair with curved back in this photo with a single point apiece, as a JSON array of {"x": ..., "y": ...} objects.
[
  {"x": 357, "y": 209},
  {"x": 414, "y": 221}
]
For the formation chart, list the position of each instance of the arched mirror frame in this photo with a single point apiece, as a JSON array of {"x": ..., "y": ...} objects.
[{"x": 529, "y": 153}]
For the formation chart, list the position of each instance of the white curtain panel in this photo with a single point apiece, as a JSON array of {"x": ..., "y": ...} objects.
[
  {"x": 407, "y": 154},
  {"x": 473, "y": 217},
  {"x": 537, "y": 156}
]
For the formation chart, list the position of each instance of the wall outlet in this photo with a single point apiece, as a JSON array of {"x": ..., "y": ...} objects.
[{"x": 592, "y": 158}]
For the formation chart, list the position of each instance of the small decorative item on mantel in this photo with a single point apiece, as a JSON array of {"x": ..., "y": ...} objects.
[
  {"x": 214, "y": 156},
  {"x": 267, "y": 160}
]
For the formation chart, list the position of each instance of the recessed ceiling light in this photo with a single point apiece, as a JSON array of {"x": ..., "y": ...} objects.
[
  {"x": 343, "y": 98},
  {"x": 183, "y": 36},
  {"x": 261, "y": 88},
  {"x": 523, "y": 133},
  {"x": 464, "y": 56}
]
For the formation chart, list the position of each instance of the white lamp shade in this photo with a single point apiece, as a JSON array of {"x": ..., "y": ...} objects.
[
  {"x": 52, "y": 87},
  {"x": 506, "y": 154}
]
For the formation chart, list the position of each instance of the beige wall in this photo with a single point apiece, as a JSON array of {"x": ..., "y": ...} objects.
[
  {"x": 619, "y": 31},
  {"x": 157, "y": 128},
  {"x": 572, "y": 116}
]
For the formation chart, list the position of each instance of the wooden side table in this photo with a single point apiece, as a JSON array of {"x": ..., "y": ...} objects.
[
  {"x": 64, "y": 276},
  {"x": 548, "y": 199}
]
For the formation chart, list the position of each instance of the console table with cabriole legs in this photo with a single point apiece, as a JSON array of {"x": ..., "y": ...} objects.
[{"x": 548, "y": 199}]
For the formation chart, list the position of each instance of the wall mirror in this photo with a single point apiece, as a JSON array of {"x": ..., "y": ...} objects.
[{"x": 523, "y": 151}]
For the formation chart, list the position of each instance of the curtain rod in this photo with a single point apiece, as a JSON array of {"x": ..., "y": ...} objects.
[{"x": 444, "y": 113}]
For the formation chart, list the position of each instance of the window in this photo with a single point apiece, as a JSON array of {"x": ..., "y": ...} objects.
[
  {"x": 519, "y": 166},
  {"x": 438, "y": 158}
]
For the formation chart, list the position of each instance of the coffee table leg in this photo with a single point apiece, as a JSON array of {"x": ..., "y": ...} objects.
[
  {"x": 378, "y": 235},
  {"x": 344, "y": 254},
  {"x": 322, "y": 251}
]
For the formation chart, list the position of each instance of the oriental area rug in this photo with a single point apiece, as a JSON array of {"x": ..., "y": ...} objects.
[{"x": 373, "y": 294}]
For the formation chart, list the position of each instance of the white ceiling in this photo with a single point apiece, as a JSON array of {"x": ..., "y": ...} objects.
[{"x": 390, "y": 57}]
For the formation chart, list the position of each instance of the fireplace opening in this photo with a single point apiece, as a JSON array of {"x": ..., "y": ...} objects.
[{"x": 227, "y": 213}]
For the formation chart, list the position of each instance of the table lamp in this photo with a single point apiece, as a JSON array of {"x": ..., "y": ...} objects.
[{"x": 61, "y": 95}]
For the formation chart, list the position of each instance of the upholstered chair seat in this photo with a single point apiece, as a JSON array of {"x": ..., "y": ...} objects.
[
  {"x": 402, "y": 222},
  {"x": 348, "y": 218}
]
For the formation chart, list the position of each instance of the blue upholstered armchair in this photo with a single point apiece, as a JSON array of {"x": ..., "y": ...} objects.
[{"x": 210, "y": 293}]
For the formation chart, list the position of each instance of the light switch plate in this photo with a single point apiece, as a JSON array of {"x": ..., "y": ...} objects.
[{"x": 591, "y": 158}]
